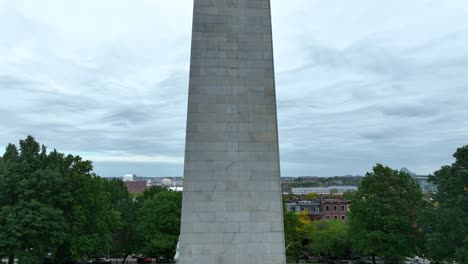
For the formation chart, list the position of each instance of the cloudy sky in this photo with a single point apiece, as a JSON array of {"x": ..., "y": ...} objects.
[{"x": 358, "y": 82}]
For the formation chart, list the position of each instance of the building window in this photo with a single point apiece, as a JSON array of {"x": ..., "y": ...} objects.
[
  {"x": 342, "y": 208},
  {"x": 342, "y": 217},
  {"x": 335, "y": 217},
  {"x": 334, "y": 208},
  {"x": 328, "y": 217},
  {"x": 317, "y": 210},
  {"x": 327, "y": 208}
]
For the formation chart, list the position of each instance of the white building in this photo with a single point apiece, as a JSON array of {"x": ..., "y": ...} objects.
[{"x": 324, "y": 190}]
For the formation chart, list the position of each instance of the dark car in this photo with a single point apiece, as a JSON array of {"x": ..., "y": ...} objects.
[
  {"x": 162, "y": 259},
  {"x": 85, "y": 261},
  {"x": 142, "y": 260}
]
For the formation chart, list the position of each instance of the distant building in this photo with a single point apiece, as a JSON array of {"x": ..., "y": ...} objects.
[
  {"x": 324, "y": 190},
  {"x": 163, "y": 181},
  {"x": 128, "y": 177},
  {"x": 176, "y": 189},
  {"x": 335, "y": 209},
  {"x": 136, "y": 186},
  {"x": 421, "y": 180},
  {"x": 313, "y": 208},
  {"x": 325, "y": 209}
]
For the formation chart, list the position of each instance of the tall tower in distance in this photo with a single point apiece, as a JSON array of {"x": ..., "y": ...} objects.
[{"x": 232, "y": 207}]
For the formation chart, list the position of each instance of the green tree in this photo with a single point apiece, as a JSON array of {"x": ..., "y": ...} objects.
[
  {"x": 312, "y": 196},
  {"x": 383, "y": 218},
  {"x": 348, "y": 195},
  {"x": 330, "y": 238},
  {"x": 32, "y": 224},
  {"x": 90, "y": 217},
  {"x": 53, "y": 203},
  {"x": 158, "y": 223},
  {"x": 297, "y": 230},
  {"x": 447, "y": 225},
  {"x": 293, "y": 238},
  {"x": 125, "y": 206},
  {"x": 333, "y": 192},
  {"x": 152, "y": 191}
]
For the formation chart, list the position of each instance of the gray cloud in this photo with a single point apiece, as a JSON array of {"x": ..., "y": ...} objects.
[
  {"x": 357, "y": 84},
  {"x": 414, "y": 110}
]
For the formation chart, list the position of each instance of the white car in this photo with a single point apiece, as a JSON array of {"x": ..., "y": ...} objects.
[{"x": 415, "y": 260}]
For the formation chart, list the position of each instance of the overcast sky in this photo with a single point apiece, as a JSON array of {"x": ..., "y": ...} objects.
[{"x": 358, "y": 82}]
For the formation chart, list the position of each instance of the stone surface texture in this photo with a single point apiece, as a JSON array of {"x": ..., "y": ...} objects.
[{"x": 232, "y": 208}]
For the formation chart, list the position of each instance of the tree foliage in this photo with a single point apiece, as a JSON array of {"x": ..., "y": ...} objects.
[
  {"x": 52, "y": 203},
  {"x": 125, "y": 207},
  {"x": 30, "y": 199},
  {"x": 325, "y": 237},
  {"x": 383, "y": 218},
  {"x": 293, "y": 238},
  {"x": 158, "y": 222},
  {"x": 447, "y": 225},
  {"x": 330, "y": 237},
  {"x": 312, "y": 196}
]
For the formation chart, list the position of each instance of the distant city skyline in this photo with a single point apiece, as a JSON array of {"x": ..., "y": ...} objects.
[
  {"x": 357, "y": 83},
  {"x": 282, "y": 176}
]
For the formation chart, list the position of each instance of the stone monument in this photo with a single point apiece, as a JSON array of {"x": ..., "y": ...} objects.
[{"x": 232, "y": 208}]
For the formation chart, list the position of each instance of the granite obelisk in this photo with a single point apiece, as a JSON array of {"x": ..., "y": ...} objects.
[{"x": 232, "y": 208}]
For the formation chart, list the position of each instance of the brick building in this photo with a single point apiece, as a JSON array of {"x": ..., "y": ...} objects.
[
  {"x": 335, "y": 209},
  {"x": 136, "y": 186},
  {"x": 313, "y": 208},
  {"x": 327, "y": 209}
]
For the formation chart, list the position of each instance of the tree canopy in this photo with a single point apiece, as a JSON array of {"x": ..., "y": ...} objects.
[
  {"x": 330, "y": 237},
  {"x": 31, "y": 201},
  {"x": 383, "y": 218},
  {"x": 52, "y": 203},
  {"x": 158, "y": 222},
  {"x": 448, "y": 221}
]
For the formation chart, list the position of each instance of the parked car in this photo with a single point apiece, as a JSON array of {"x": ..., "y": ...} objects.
[
  {"x": 101, "y": 260},
  {"x": 85, "y": 261},
  {"x": 162, "y": 259},
  {"x": 142, "y": 260},
  {"x": 415, "y": 260}
]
